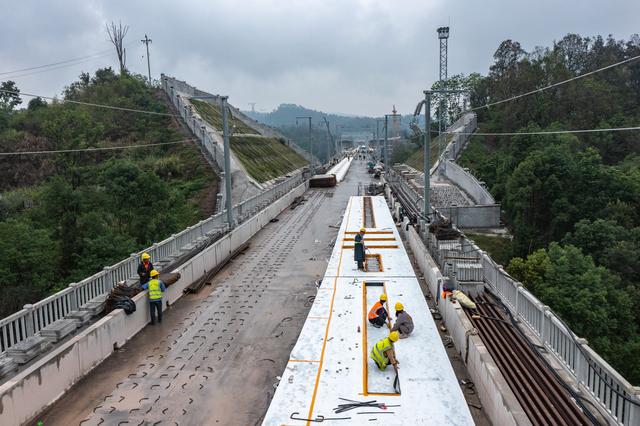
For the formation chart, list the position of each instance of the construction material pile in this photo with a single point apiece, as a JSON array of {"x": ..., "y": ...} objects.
[
  {"x": 120, "y": 298},
  {"x": 444, "y": 230}
]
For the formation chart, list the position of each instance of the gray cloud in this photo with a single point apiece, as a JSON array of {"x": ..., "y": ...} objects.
[{"x": 351, "y": 56}]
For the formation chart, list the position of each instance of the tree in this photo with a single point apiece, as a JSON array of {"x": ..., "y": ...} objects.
[
  {"x": 36, "y": 103},
  {"x": 117, "y": 33},
  {"x": 9, "y": 96},
  {"x": 8, "y": 101}
]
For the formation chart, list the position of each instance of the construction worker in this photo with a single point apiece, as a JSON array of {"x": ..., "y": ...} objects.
[
  {"x": 144, "y": 268},
  {"x": 359, "y": 248},
  {"x": 404, "y": 322},
  {"x": 378, "y": 314},
  {"x": 156, "y": 289},
  {"x": 383, "y": 353}
]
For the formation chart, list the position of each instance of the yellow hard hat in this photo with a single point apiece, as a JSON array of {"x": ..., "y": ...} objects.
[
  {"x": 383, "y": 297},
  {"x": 394, "y": 336},
  {"x": 399, "y": 306},
  {"x": 154, "y": 273},
  {"x": 363, "y": 230},
  {"x": 145, "y": 256}
]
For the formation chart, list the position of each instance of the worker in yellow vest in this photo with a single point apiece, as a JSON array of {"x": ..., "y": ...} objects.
[
  {"x": 383, "y": 353},
  {"x": 156, "y": 289}
]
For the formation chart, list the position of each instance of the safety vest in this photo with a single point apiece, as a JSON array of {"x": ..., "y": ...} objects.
[
  {"x": 378, "y": 350},
  {"x": 373, "y": 313},
  {"x": 358, "y": 240},
  {"x": 155, "y": 292}
]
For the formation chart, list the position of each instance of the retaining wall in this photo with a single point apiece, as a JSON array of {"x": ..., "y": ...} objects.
[
  {"x": 484, "y": 216},
  {"x": 467, "y": 182},
  {"x": 31, "y": 391}
]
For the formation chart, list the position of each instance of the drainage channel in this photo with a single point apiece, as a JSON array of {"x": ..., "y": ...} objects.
[{"x": 367, "y": 212}]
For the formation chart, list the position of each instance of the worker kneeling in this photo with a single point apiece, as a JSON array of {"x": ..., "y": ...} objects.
[
  {"x": 404, "y": 322},
  {"x": 378, "y": 314},
  {"x": 383, "y": 353},
  {"x": 156, "y": 289}
]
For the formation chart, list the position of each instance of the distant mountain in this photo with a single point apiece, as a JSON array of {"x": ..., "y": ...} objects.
[{"x": 285, "y": 116}]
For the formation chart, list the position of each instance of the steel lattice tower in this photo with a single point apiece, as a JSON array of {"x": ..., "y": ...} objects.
[{"x": 443, "y": 35}]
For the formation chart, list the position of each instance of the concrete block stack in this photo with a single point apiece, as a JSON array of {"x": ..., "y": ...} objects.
[
  {"x": 7, "y": 365},
  {"x": 96, "y": 305},
  {"x": 28, "y": 349},
  {"x": 58, "y": 330},
  {"x": 80, "y": 317}
]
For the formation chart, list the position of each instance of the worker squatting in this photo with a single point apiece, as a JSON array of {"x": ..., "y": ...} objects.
[{"x": 383, "y": 352}]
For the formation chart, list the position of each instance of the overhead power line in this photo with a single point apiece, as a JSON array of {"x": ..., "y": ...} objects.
[
  {"x": 13, "y": 76},
  {"x": 88, "y": 103},
  {"x": 555, "y": 84},
  {"x": 547, "y": 132},
  {"x": 107, "y": 148},
  {"x": 67, "y": 61}
]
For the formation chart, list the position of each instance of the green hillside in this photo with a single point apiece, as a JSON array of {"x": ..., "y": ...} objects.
[
  {"x": 265, "y": 158},
  {"x": 65, "y": 216},
  {"x": 212, "y": 114}
]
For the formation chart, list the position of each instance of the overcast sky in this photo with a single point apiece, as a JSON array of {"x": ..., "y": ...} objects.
[{"x": 348, "y": 56}]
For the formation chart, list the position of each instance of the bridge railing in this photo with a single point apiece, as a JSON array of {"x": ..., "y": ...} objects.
[
  {"x": 615, "y": 394},
  {"x": 33, "y": 318}
]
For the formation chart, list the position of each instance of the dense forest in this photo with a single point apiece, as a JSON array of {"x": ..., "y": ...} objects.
[
  {"x": 65, "y": 216},
  {"x": 572, "y": 200}
]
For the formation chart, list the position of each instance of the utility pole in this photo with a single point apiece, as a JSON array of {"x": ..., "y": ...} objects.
[
  {"x": 427, "y": 145},
  {"x": 386, "y": 139},
  {"x": 227, "y": 161},
  {"x": 426, "y": 151},
  {"x": 146, "y": 41},
  {"x": 443, "y": 36},
  {"x": 333, "y": 145},
  {"x": 313, "y": 170}
]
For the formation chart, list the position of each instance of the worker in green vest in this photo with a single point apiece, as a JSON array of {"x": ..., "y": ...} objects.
[
  {"x": 383, "y": 353},
  {"x": 156, "y": 289}
]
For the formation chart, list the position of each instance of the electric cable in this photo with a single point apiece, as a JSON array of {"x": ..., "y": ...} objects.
[
  {"x": 93, "y": 55},
  {"x": 559, "y": 83},
  {"x": 547, "y": 132},
  {"x": 107, "y": 148}
]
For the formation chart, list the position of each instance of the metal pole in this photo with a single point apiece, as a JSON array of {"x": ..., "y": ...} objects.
[
  {"x": 386, "y": 143},
  {"x": 227, "y": 161},
  {"x": 146, "y": 41},
  {"x": 313, "y": 170},
  {"x": 426, "y": 150}
]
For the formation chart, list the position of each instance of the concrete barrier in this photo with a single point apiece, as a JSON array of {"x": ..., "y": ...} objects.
[
  {"x": 481, "y": 216},
  {"x": 31, "y": 391},
  {"x": 498, "y": 401},
  {"x": 467, "y": 182}
]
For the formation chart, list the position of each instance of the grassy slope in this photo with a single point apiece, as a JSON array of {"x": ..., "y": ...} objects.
[
  {"x": 265, "y": 158},
  {"x": 211, "y": 113},
  {"x": 416, "y": 159}
]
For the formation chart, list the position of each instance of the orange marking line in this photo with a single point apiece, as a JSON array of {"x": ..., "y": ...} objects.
[
  {"x": 304, "y": 360},
  {"x": 376, "y": 256},
  {"x": 326, "y": 333},
  {"x": 369, "y": 232},
  {"x": 371, "y": 239},
  {"x": 373, "y": 247},
  {"x": 365, "y": 349},
  {"x": 321, "y": 318}
]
